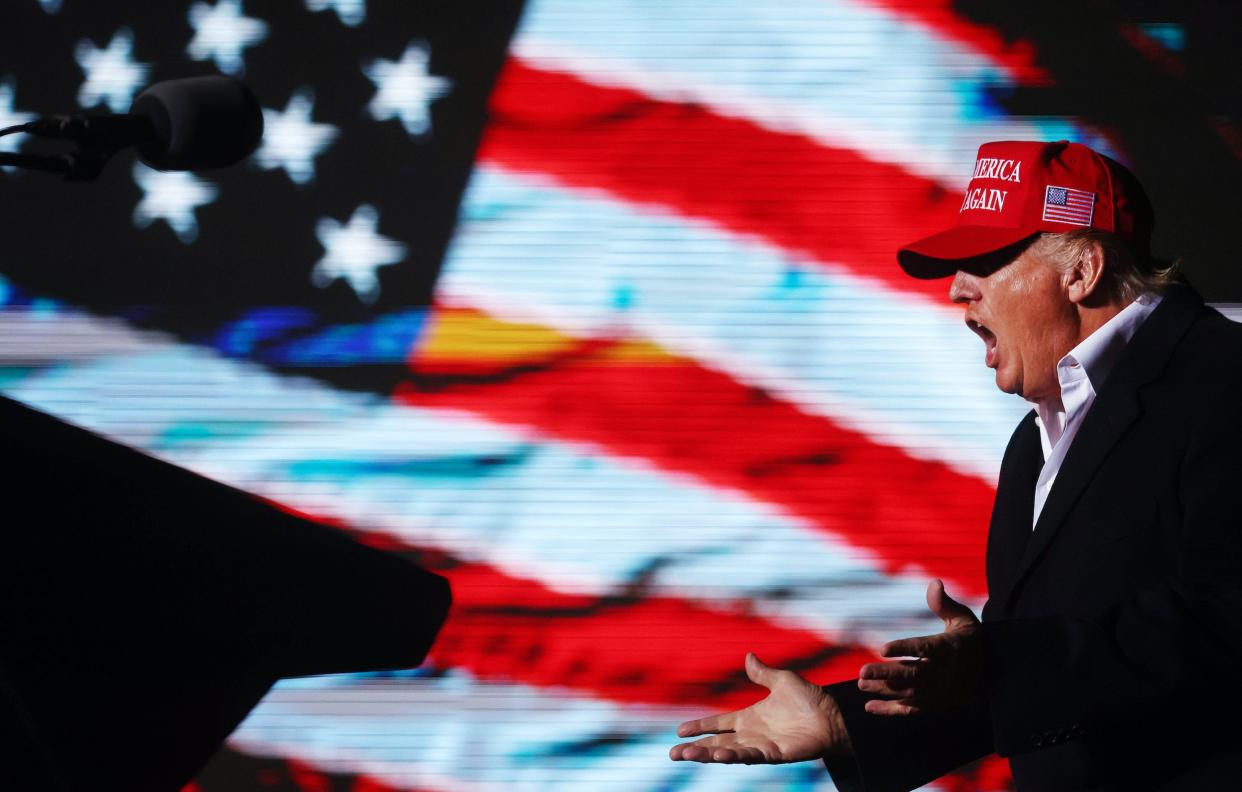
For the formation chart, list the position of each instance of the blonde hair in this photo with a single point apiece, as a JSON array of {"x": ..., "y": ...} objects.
[{"x": 1126, "y": 276}]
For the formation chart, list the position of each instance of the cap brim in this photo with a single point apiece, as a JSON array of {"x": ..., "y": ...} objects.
[{"x": 943, "y": 254}]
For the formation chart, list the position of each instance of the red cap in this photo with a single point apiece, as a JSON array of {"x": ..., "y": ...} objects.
[{"x": 1019, "y": 189}]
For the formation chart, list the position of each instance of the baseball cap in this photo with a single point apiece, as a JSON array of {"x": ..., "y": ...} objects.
[{"x": 1021, "y": 188}]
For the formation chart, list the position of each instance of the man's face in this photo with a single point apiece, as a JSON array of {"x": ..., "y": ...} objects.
[{"x": 1025, "y": 320}]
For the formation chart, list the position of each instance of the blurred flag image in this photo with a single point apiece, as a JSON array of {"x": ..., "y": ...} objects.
[{"x": 591, "y": 307}]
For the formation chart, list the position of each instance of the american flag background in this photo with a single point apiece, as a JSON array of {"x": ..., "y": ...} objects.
[{"x": 592, "y": 307}]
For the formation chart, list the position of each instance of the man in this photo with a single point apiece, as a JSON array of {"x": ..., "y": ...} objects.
[{"x": 1107, "y": 651}]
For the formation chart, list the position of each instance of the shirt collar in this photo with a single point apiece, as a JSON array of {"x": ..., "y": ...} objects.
[{"x": 1095, "y": 355}]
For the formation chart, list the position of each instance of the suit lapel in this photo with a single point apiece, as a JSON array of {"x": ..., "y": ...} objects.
[
  {"x": 1107, "y": 420},
  {"x": 1014, "y": 508},
  {"x": 1115, "y": 409}
]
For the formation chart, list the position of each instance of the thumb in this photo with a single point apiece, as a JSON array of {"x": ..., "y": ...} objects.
[
  {"x": 759, "y": 672},
  {"x": 951, "y": 612}
]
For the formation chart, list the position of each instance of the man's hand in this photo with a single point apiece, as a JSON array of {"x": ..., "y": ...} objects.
[
  {"x": 946, "y": 669},
  {"x": 796, "y": 722}
]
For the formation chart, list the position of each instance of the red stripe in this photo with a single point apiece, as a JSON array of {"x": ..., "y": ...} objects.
[
  {"x": 685, "y": 418},
  {"x": 1016, "y": 58},
  {"x": 638, "y": 649},
  {"x": 988, "y": 774},
  {"x": 830, "y": 204},
  {"x": 632, "y": 648}
]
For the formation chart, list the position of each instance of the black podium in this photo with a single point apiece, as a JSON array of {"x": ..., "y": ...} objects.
[{"x": 144, "y": 610}]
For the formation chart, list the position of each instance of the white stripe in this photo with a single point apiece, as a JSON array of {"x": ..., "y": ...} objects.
[
  {"x": 843, "y": 73},
  {"x": 40, "y": 336},
  {"x": 460, "y": 734},
  {"x": 565, "y": 515},
  {"x": 895, "y": 366}
]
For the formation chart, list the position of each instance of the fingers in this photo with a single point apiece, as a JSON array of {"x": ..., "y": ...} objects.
[
  {"x": 689, "y": 752},
  {"x": 922, "y": 646},
  {"x": 950, "y": 611},
  {"x": 935, "y": 596},
  {"x": 718, "y": 749},
  {"x": 954, "y": 614},
  {"x": 902, "y": 707},
  {"x": 882, "y": 687},
  {"x": 759, "y": 672},
  {"x": 710, "y": 725},
  {"x": 895, "y": 678},
  {"x": 738, "y": 755},
  {"x": 893, "y": 669}
]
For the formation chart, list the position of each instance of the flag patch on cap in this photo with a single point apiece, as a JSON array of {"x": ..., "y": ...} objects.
[{"x": 1067, "y": 205}]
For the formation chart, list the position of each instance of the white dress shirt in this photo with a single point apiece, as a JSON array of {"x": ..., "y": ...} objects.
[{"x": 1081, "y": 373}]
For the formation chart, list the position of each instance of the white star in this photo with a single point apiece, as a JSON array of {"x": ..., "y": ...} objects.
[
  {"x": 50, "y": 6},
  {"x": 221, "y": 33},
  {"x": 351, "y": 12},
  {"x": 171, "y": 197},
  {"x": 354, "y": 252},
  {"x": 406, "y": 89},
  {"x": 292, "y": 141},
  {"x": 10, "y": 115},
  {"x": 112, "y": 74}
]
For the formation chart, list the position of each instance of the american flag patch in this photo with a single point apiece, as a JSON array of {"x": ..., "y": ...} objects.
[{"x": 1067, "y": 205}]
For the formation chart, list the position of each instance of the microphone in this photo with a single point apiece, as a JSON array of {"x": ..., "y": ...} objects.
[
  {"x": 199, "y": 123},
  {"x": 194, "y": 123}
]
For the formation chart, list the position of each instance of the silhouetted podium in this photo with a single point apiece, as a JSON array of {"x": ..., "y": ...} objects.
[{"x": 144, "y": 610}]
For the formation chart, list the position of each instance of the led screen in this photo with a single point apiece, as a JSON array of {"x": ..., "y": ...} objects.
[{"x": 591, "y": 307}]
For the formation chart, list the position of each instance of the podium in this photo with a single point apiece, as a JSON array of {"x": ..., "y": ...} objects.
[{"x": 144, "y": 610}]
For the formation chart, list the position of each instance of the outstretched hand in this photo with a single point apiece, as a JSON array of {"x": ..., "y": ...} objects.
[
  {"x": 796, "y": 722},
  {"x": 941, "y": 671}
]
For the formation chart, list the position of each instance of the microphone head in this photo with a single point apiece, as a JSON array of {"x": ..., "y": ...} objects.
[{"x": 199, "y": 123}]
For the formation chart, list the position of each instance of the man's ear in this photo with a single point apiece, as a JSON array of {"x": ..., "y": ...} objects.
[{"x": 1085, "y": 278}]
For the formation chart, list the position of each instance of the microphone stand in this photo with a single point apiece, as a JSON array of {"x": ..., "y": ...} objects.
[
  {"x": 61, "y": 164},
  {"x": 95, "y": 142}
]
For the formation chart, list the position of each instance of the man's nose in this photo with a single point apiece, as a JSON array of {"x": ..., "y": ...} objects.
[{"x": 963, "y": 288}]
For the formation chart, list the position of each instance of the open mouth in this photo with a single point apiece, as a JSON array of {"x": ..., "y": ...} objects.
[{"x": 989, "y": 340}]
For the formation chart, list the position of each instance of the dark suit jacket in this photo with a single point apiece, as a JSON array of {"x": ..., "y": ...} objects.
[{"x": 1113, "y": 631}]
